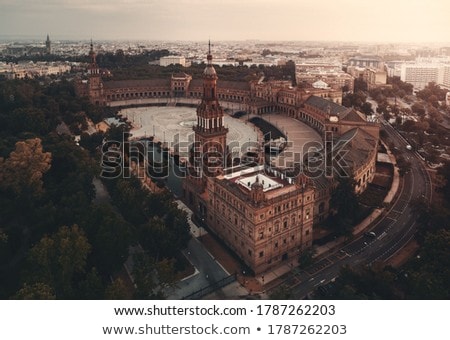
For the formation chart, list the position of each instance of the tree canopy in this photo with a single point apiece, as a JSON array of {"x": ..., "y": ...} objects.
[
  {"x": 23, "y": 170},
  {"x": 56, "y": 240}
]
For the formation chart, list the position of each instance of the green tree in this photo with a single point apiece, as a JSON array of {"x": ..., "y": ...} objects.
[
  {"x": 418, "y": 108},
  {"x": 367, "y": 108},
  {"x": 430, "y": 273},
  {"x": 152, "y": 237},
  {"x": 117, "y": 290},
  {"x": 91, "y": 142},
  {"x": 166, "y": 272},
  {"x": 355, "y": 100},
  {"x": 22, "y": 172},
  {"x": 434, "y": 114},
  {"x": 344, "y": 204},
  {"x": 57, "y": 260},
  {"x": 68, "y": 183},
  {"x": 444, "y": 171},
  {"x": 366, "y": 282},
  {"x": 31, "y": 119},
  {"x": 306, "y": 258},
  {"x": 36, "y": 291},
  {"x": 92, "y": 287},
  {"x": 110, "y": 236},
  {"x": 345, "y": 201},
  {"x": 146, "y": 278},
  {"x": 281, "y": 293}
]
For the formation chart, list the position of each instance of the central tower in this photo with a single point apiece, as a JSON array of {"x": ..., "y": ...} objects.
[{"x": 210, "y": 144}]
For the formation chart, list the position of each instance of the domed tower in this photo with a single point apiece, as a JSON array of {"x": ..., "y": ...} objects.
[{"x": 210, "y": 145}]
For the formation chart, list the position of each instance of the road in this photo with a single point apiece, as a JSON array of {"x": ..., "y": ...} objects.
[
  {"x": 393, "y": 230},
  {"x": 207, "y": 270}
]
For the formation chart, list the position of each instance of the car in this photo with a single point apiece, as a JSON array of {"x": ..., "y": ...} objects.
[{"x": 370, "y": 234}]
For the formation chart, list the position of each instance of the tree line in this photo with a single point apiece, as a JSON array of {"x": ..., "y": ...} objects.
[{"x": 56, "y": 240}]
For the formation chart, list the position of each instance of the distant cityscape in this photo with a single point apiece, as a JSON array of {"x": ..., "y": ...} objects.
[{"x": 415, "y": 64}]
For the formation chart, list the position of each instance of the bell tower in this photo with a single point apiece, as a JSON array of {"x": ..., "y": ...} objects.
[
  {"x": 48, "y": 45},
  {"x": 95, "y": 87},
  {"x": 210, "y": 145}
]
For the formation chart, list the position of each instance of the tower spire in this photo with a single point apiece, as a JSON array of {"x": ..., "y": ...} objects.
[
  {"x": 210, "y": 133},
  {"x": 93, "y": 66},
  {"x": 48, "y": 45},
  {"x": 209, "y": 56}
]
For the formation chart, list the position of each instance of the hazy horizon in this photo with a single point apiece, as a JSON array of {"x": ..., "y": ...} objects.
[{"x": 383, "y": 21}]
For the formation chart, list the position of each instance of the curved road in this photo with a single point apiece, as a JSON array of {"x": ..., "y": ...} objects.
[{"x": 394, "y": 230}]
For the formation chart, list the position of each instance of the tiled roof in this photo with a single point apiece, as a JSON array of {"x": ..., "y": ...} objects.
[
  {"x": 321, "y": 182},
  {"x": 359, "y": 145},
  {"x": 352, "y": 116},
  {"x": 136, "y": 83},
  {"x": 237, "y": 85},
  {"x": 323, "y": 105},
  {"x": 227, "y": 84},
  {"x": 114, "y": 84},
  {"x": 196, "y": 83},
  {"x": 180, "y": 75}
]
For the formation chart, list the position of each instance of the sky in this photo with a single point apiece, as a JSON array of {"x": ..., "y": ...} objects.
[{"x": 197, "y": 20}]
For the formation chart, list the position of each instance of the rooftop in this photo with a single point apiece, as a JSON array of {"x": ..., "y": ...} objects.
[
  {"x": 266, "y": 182},
  {"x": 324, "y": 104},
  {"x": 351, "y": 115},
  {"x": 136, "y": 83},
  {"x": 360, "y": 146}
]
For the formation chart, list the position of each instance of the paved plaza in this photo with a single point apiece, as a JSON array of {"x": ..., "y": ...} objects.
[
  {"x": 166, "y": 122},
  {"x": 301, "y": 138}
]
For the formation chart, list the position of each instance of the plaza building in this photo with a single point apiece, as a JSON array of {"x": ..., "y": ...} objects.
[
  {"x": 263, "y": 216},
  {"x": 263, "y": 213}
]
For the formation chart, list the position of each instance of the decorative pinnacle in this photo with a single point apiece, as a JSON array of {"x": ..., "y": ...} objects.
[{"x": 209, "y": 57}]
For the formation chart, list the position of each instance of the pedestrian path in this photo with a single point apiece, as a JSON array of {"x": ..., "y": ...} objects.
[{"x": 195, "y": 230}]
